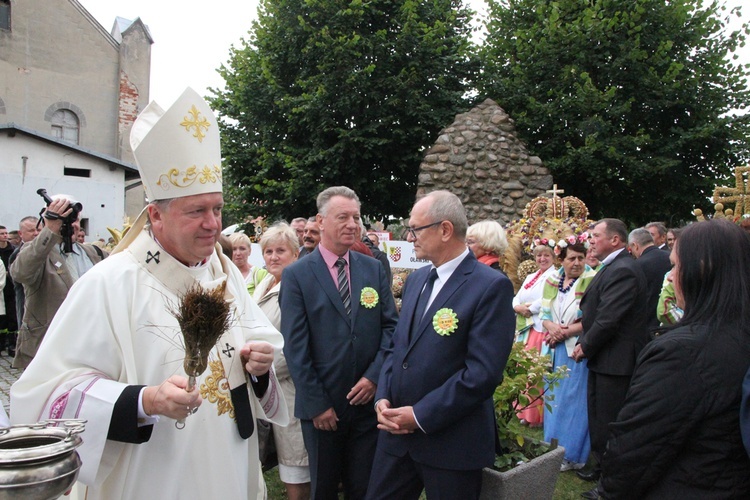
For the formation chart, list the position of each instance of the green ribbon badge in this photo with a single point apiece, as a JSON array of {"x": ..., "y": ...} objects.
[
  {"x": 369, "y": 297},
  {"x": 445, "y": 321}
]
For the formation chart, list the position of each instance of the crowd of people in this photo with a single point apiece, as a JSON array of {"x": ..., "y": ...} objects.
[{"x": 365, "y": 399}]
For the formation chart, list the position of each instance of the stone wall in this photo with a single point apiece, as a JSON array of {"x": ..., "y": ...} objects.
[{"x": 480, "y": 159}]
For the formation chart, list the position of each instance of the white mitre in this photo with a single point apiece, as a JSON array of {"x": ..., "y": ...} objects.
[{"x": 178, "y": 153}]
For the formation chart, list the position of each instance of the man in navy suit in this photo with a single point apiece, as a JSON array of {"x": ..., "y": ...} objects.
[
  {"x": 337, "y": 318},
  {"x": 615, "y": 316},
  {"x": 655, "y": 265},
  {"x": 434, "y": 397}
]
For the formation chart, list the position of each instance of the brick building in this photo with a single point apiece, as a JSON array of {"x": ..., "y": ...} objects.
[{"x": 69, "y": 94}]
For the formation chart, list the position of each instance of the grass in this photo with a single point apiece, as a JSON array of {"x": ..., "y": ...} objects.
[{"x": 568, "y": 487}]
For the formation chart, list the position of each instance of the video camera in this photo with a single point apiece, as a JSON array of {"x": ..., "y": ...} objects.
[{"x": 67, "y": 227}]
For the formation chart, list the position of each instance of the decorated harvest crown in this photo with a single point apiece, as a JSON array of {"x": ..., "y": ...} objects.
[
  {"x": 739, "y": 195},
  {"x": 554, "y": 222}
]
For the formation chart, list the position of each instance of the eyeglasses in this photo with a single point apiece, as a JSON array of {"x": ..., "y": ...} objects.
[{"x": 413, "y": 230}]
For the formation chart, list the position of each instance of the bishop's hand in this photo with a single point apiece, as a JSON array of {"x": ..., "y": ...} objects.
[{"x": 171, "y": 399}]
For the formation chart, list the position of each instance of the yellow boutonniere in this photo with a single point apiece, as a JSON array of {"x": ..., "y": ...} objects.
[
  {"x": 445, "y": 321},
  {"x": 369, "y": 297}
]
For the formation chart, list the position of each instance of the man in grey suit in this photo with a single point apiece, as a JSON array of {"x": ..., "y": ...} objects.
[{"x": 337, "y": 318}]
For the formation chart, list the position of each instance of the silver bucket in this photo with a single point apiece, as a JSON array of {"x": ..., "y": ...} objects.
[{"x": 39, "y": 461}]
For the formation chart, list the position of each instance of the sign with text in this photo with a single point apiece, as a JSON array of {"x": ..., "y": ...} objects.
[{"x": 401, "y": 254}]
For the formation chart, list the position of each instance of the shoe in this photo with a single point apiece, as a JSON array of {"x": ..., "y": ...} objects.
[
  {"x": 568, "y": 465},
  {"x": 592, "y": 494},
  {"x": 588, "y": 475}
]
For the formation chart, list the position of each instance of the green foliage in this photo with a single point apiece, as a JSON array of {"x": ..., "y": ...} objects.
[
  {"x": 525, "y": 379},
  {"x": 630, "y": 102},
  {"x": 340, "y": 92}
]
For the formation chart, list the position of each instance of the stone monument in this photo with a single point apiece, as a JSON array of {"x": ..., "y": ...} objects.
[{"x": 481, "y": 160}]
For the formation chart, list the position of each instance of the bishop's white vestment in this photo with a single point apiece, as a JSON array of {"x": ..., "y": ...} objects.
[{"x": 115, "y": 330}]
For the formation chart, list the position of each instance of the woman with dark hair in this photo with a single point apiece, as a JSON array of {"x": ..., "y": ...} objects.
[
  {"x": 678, "y": 434},
  {"x": 567, "y": 418}
]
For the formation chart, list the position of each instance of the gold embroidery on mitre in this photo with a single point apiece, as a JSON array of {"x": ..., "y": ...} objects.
[
  {"x": 215, "y": 389},
  {"x": 186, "y": 178},
  {"x": 197, "y": 121}
]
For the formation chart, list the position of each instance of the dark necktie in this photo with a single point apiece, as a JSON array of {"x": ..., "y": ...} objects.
[
  {"x": 423, "y": 299},
  {"x": 344, "y": 285}
]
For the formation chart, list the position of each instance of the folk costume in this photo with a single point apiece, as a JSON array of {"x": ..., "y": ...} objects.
[
  {"x": 568, "y": 419},
  {"x": 529, "y": 330},
  {"x": 134, "y": 340}
]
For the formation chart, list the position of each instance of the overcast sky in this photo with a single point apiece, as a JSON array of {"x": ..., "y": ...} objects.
[{"x": 192, "y": 38}]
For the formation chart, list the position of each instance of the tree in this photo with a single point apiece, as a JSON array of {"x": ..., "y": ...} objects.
[
  {"x": 631, "y": 103},
  {"x": 331, "y": 92}
]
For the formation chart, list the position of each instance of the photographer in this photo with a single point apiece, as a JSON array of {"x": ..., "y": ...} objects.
[{"x": 47, "y": 267}]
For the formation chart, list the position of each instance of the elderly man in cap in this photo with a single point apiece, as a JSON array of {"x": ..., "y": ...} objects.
[{"x": 124, "y": 371}]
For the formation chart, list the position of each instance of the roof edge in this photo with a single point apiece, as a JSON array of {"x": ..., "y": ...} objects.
[
  {"x": 107, "y": 36},
  {"x": 128, "y": 167}
]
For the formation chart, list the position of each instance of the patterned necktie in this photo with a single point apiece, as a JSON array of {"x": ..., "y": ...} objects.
[
  {"x": 423, "y": 299},
  {"x": 344, "y": 286}
]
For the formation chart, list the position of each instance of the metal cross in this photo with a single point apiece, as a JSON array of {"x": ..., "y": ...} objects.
[{"x": 555, "y": 191}]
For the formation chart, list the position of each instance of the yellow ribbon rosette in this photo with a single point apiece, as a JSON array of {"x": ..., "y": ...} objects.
[
  {"x": 445, "y": 321},
  {"x": 369, "y": 297}
]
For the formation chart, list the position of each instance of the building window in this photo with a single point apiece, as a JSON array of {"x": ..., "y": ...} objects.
[
  {"x": 77, "y": 172},
  {"x": 65, "y": 125},
  {"x": 5, "y": 15}
]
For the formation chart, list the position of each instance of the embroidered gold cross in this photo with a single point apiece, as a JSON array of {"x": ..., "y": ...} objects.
[{"x": 197, "y": 121}]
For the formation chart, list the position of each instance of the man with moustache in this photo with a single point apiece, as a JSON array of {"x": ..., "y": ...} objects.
[
  {"x": 337, "y": 318},
  {"x": 310, "y": 237}
]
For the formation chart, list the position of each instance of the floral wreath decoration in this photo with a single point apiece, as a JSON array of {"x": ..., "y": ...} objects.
[
  {"x": 369, "y": 297},
  {"x": 445, "y": 321},
  {"x": 558, "y": 245}
]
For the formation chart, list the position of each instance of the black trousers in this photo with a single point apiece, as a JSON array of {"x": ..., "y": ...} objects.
[{"x": 605, "y": 398}]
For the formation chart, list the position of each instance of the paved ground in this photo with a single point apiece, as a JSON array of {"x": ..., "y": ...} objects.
[{"x": 8, "y": 376}]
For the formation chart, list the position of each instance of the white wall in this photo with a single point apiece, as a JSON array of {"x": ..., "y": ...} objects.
[{"x": 102, "y": 194}]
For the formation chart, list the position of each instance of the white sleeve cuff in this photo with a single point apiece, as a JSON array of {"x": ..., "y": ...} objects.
[{"x": 144, "y": 419}]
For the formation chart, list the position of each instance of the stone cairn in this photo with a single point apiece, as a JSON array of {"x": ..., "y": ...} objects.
[{"x": 481, "y": 160}]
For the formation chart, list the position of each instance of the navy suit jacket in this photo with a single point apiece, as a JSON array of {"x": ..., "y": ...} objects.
[
  {"x": 449, "y": 380},
  {"x": 655, "y": 264},
  {"x": 326, "y": 350},
  {"x": 615, "y": 317}
]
